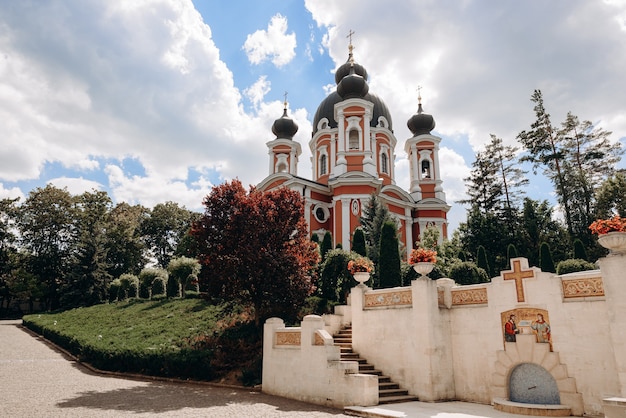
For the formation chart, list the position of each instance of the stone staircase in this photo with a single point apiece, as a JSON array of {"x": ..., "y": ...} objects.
[{"x": 388, "y": 391}]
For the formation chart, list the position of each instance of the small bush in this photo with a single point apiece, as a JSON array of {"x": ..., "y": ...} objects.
[
  {"x": 467, "y": 272},
  {"x": 573, "y": 265}
]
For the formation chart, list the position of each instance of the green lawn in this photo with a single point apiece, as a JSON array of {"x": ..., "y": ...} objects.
[{"x": 188, "y": 338}]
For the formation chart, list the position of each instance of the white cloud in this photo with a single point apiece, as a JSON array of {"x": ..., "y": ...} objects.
[
  {"x": 75, "y": 186},
  {"x": 256, "y": 92},
  {"x": 275, "y": 43},
  {"x": 12, "y": 193}
]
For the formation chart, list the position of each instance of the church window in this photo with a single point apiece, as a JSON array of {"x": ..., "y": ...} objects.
[
  {"x": 323, "y": 164},
  {"x": 425, "y": 169},
  {"x": 353, "y": 139},
  {"x": 384, "y": 163}
]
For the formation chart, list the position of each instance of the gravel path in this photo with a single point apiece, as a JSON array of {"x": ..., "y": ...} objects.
[{"x": 38, "y": 381}]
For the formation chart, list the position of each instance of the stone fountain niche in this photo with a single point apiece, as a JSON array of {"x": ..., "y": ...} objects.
[{"x": 529, "y": 379}]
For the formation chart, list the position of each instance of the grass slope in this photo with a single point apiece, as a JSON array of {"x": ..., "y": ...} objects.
[{"x": 188, "y": 338}]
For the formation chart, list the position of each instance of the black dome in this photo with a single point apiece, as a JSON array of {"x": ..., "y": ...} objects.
[
  {"x": 421, "y": 123},
  {"x": 344, "y": 70},
  {"x": 352, "y": 86},
  {"x": 326, "y": 109},
  {"x": 284, "y": 127}
]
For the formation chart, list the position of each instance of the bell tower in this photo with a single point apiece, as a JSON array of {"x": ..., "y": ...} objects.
[{"x": 284, "y": 151}]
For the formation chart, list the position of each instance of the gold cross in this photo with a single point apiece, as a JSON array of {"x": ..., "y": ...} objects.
[
  {"x": 350, "y": 35},
  {"x": 518, "y": 275}
]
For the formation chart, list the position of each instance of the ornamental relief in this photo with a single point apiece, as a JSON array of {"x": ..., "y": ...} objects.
[
  {"x": 393, "y": 298},
  {"x": 469, "y": 296},
  {"x": 580, "y": 288},
  {"x": 440, "y": 297},
  {"x": 288, "y": 338}
]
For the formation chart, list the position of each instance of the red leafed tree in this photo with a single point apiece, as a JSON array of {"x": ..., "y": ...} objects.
[{"x": 255, "y": 249}]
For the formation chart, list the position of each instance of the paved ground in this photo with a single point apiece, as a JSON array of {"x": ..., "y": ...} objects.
[{"x": 38, "y": 381}]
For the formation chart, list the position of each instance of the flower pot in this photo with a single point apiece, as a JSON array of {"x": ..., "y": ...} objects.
[
  {"x": 423, "y": 268},
  {"x": 361, "y": 276},
  {"x": 614, "y": 241}
]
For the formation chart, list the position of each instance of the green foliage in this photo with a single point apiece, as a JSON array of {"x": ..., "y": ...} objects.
[
  {"x": 481, "y": 259},
  {"x": 358, "y": 242},
  {"x": 315, "y": 238},
  {"x": 545, "y": 258},
  {"x": 183, "y": 271},
  {"x": 129, "y": 287},
  {"x": 327, "y": 244},
  {"x": 389, "y": 259},
  {"x": 611, "y": 196},
  {"x": 189, "y": 339},
  {"x": 335, "y": 280},
  {"x": 579, "y": 250},
  {"x": 407, "y": 273},
  {"x": 147, "y": 279},
  {"x": 573, "y": 265},
  {"x": 338, "y": 246},
  {"x": 466, "y": 272},
  {"x": 511, "y": 251},
  {"x": 375, "y": 214}
]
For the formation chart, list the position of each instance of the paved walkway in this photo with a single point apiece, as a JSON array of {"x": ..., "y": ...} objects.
[{"x": 38, "y": 381}]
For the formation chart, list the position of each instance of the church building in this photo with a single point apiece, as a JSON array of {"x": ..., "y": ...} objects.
[{"x": 353, "y": 155}]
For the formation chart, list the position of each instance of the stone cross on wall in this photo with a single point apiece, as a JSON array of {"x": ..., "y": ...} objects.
[{"x": 518, "y": 275}]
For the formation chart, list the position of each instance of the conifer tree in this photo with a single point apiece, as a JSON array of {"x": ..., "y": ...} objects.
[
  {"x": 481, "y": 260},
  {"x": 358, "y": 242},
  {"x": 389, "y": 261},
  {"x": 545, "y": 258},
  {"x": 579, "y": 250},
  {"x": 327, "y": 245},
  {"x": 511, "y": 252}
]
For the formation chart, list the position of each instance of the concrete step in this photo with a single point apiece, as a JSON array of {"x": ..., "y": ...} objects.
[{"x": 397, "y": 399}]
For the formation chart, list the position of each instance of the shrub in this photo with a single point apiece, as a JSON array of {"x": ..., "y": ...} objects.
[
  {"x": 146, "y": 281},
  {"x": 545, "y": 258},
  {"x": 114, "y": 290},
  {"x": 467, "y": 272},
  {"x": 573, "y": 265}
]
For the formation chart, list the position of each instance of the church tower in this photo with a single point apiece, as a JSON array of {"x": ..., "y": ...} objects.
[
  {"x": 426, "y": 184},
  {"x": 353, "y": 157},
  {"x": 283, "y": 150}
]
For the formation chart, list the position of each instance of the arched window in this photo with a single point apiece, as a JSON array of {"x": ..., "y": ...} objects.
[
  {"x": 353, "y": 139},
  {"x": 384, "y": 163},
  {"x": 425, "y": 169},
  {"x": 323, "y": 164}
]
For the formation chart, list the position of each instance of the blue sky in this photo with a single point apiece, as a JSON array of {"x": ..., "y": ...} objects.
[{"x": 158, "y": 100}]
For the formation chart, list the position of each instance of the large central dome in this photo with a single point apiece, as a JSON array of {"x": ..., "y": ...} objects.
[{"x": 326, "y": 109}]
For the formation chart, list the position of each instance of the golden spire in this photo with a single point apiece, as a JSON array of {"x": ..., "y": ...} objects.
[{"x": 350, "y": 47}]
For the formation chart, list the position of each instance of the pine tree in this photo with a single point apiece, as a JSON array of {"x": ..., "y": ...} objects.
[
  {"x": 579, "y": 250},
  {"x": 375, "y": 214},
  {"x": 389, "y": 261},
  {"x": 511, "y": 252}
]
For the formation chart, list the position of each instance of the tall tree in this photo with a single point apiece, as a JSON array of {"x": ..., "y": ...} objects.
[
  {"x": 611, "y": 196},
  {"x": 375, "y": 214},
  {"x": 88, "y": 279},
  {"x": 46, "y": 221},
  {"x": 537, "y": 225},
  {"x": 389, "y": 259},
  {"x": 125, "y": 252},
  {"x": 255, "y": 248},
  {"x": 327, "y": 244},
  {"x": 165, "y": 228},
  {"x": 576, "y": 157}
]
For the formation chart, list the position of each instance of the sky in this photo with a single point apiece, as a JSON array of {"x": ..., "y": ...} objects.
[{"x": 159, "y": 100}]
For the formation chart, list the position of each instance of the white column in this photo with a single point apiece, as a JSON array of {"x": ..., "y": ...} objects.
[{"x": 345, "y": 223}]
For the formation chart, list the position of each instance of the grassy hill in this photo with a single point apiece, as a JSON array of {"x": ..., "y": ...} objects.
[{"x": 182, "y": 338}]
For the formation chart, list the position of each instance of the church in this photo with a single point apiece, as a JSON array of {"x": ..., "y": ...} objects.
[{"x": 353, "y": 155}]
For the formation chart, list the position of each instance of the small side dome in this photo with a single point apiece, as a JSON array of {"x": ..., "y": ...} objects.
[
  {"x": 352, "y": 86},
  {"x": 284, "y": 127},
  {"x": 421, "y": 123}
]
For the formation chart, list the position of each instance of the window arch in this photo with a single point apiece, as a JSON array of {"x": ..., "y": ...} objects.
[
  {"x": 426, "y": 169},
  {"x": 384, "y": 163},
  {"x": 353, "y": 139},
  {"x": 323, "y": 164}
]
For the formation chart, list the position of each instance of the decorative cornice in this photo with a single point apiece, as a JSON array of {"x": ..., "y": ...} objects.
[
  {"x": 583, "y": 287},
  {"x": 476, "y": 296},
  {"x": 291, "y": 338},
  {"x": 380, "y": 299}
]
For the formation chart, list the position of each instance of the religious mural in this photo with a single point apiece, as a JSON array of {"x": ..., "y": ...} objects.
[{"x": 526, "y": 321}]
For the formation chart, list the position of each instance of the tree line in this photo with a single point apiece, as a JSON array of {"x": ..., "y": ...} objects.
[{"x": 62, "y": 250}]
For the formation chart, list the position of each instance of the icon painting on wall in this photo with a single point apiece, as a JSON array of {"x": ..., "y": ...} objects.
[{"x": 526, "y": 321}]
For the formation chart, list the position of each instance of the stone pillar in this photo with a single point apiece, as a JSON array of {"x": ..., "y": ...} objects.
[{"x": 613, "y": 268}]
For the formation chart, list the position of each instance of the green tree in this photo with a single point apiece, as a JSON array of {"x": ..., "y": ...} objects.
[
  {"x": 481, "y": 259},
  {"x": 165, "y": 227},
  {"x": 545, "y": 258},
  {"x": 467, "y": 272},
  {"x": 184, "y": 271},
  {"x": 335, "y": 280},
  {"x": 255, "y": 249},
  {"x": 579, "y": 250},
  {"x": 575, "y": 157},
  {"x": 327, "y": 244},
  {"x": 511, "y": 251},
  {"x": 88, "y": 279},
  {"x": 358, "y": 242},
  {"x": 46, "y": 221},
  {"x": 389, "y": 259},
  {"x": 375, "y": 214},
  {"x": 125, "y": 251},
  {"x": 147, "y": 278},
  {"x": 611, "y": 196},
  {"x": 537, "y": 226}
]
